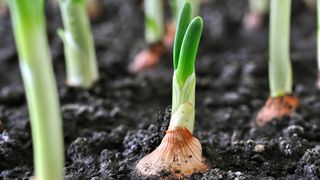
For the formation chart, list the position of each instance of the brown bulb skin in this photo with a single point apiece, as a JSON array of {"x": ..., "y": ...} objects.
[
  {"x": 276, "y": 108},
  {"x": 179, "y": 154},
  {"x": 147, "y": 58}
]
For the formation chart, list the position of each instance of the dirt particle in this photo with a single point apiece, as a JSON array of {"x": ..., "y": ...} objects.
[{"x": 259, "y": 148}]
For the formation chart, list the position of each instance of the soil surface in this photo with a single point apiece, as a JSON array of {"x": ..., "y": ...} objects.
[{"x": 124, "y": 117}]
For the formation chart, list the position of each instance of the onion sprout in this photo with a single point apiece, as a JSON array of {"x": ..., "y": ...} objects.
[
  {"x": 281, "y": 102},
  {"x": 154, "y": 25},
  {"x": 41, "y": 91},
  {"x": 180, "y": 153},
  {"x": 81, "y": 62},
  {"x": 280, "y": 73}
]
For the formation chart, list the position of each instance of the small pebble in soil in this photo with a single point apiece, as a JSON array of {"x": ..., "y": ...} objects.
[
  {"x": 259, "y": 148},
  {"x": 232, "y": 98}
]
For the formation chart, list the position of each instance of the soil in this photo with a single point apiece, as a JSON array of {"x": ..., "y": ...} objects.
[{"x": 124, "y": 117}]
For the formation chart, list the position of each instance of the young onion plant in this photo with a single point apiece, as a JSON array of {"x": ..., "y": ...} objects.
[
  {"x": 37, "y": 73},
  {"x": 180, "y": 153},
  {"x": 154, "y": 32},
  {"x": 81, "y": 62},
  {"x": 281, "y": 102}
]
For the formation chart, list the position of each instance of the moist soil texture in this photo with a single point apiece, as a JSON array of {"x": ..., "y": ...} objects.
[{"x": 109, "y": 128}]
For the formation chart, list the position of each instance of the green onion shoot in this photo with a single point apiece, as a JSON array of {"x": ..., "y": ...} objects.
[
  {"x": 180, "y": 153},
  {"x": 37, "y": 73},
  {"x": 154, "y": 35},
  {"x": 154, "y": 23},
  {"x": 281, "y": 102},
  {"x": 81, "y": 61}
]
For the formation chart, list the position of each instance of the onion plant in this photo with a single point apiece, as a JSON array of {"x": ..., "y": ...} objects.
[
  {"x": 81, "y": 62},
  {"x": 179, "y": 152},
  {"x": 41, "y": 91},
  {"x": 281, "y": 102},
  {"x": 154, "y": 33}
]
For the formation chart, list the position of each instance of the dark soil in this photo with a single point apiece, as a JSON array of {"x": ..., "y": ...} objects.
[{"x": 123, "y": 118}]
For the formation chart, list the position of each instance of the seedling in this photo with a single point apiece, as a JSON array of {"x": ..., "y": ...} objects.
[
  {"x": 81, "y": 62},
  {"x": 257, "y": 10},
  {"x": 281, "y": 102},
  {"x": 154, "y": 31},
  {"x": 179, "y": 152},
  {"x": 40, "y": 87}
]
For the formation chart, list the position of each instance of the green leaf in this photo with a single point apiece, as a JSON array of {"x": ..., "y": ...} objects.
[
  {"x": 27, "y": 12},
  {"x": 189, "y": 50},
  {"x": 183, "y": 22}
]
